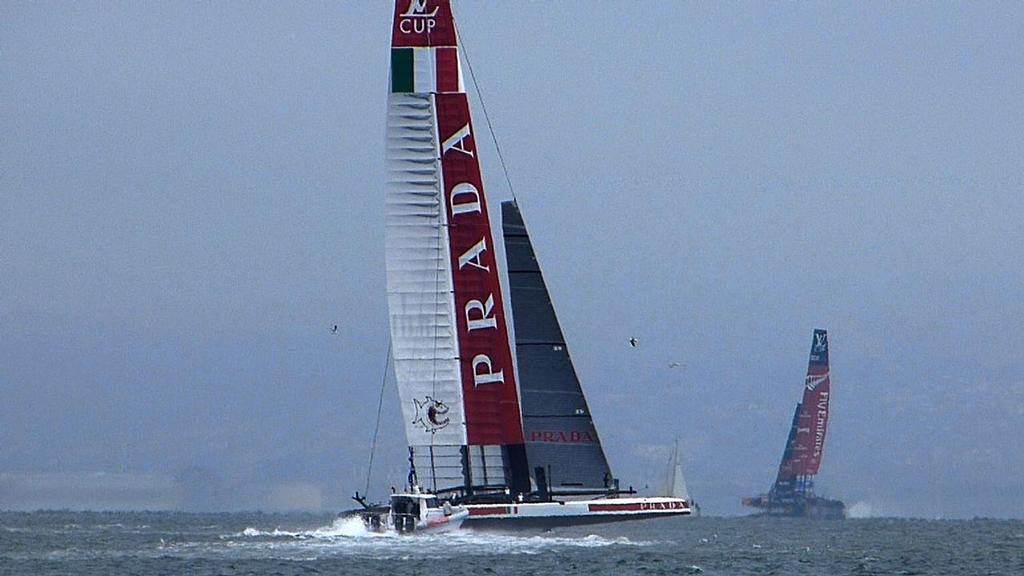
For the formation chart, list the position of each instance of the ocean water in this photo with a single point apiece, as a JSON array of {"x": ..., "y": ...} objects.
[{"x": 51, "y": 543}]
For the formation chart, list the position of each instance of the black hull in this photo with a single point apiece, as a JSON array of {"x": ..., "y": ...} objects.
[{"x": 817, "y": 508}]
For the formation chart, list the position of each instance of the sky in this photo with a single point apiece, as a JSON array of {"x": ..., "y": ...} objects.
[{"x": 191, "y": 196}]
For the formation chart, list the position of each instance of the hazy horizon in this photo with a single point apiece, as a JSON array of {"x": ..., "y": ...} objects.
[{"x": 192, "y": 196}]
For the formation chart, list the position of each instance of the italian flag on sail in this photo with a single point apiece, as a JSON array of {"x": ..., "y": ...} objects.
[{"x": 424, "y": 70}]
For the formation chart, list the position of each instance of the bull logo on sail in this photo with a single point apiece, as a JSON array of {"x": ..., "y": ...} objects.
[
  {"x": 416, "y": 20},
  {"x": 431, "y": 414}
]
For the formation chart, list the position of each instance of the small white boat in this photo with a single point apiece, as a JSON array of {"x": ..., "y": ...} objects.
[{"x": 413, "y": 512}]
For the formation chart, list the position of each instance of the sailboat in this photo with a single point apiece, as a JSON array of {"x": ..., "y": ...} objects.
[
  {"x": 677, "y": 483},
  {"x": 793, "y": 494},
  {"x": 505, "y": 436}
]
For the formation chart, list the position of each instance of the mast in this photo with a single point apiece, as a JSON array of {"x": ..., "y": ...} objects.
[{"x": 453, "y": 359}]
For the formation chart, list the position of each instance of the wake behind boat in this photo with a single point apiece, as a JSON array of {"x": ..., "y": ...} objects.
[{"x": 506, "y": 435}]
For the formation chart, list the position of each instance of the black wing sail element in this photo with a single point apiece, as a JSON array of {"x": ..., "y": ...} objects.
[{"x": 562, "y": 446}]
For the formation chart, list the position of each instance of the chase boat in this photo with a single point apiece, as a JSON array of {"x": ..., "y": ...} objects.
[{"x": 412, "y": 512}]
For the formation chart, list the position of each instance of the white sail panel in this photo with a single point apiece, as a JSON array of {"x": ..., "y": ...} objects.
[
  {"x": 419, "y": 280},
  {"x": 677, "y": 486}
]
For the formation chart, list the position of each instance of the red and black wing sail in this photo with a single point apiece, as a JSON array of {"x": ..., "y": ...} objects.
[{"x": 806, "y": 443}]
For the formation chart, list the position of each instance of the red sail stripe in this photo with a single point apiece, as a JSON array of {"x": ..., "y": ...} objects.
[
  {"x": 447, "y": 70},
  {"x": 488, "y": 377},
  {"x": 812, "y": 423}
]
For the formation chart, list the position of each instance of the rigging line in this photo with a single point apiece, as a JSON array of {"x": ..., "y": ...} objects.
[
  {"x": 376, "y": 426},
  {"x": 487, "y": 117}
]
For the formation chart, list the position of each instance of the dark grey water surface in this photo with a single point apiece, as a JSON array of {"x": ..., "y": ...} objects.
[{"x": 170, "y": 543}]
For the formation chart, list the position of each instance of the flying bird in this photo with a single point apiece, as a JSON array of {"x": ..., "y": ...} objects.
[
  {"x": 335, "y": 329},
  {"x": 675, "y": 365},
  {"x": 633, "y": 342}
]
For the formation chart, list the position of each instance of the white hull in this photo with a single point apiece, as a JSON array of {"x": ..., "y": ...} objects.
[
  {"x": 575, "y": 512},
  {"x": 437, "y": 521}
]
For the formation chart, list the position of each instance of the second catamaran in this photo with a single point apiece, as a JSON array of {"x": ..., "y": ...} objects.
[
  {"x": 793, "y": 491},
  {"x": 510, "y": 440}
]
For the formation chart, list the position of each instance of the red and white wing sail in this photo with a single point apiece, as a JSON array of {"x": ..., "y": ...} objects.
[{"x": 453, "y": 360}]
